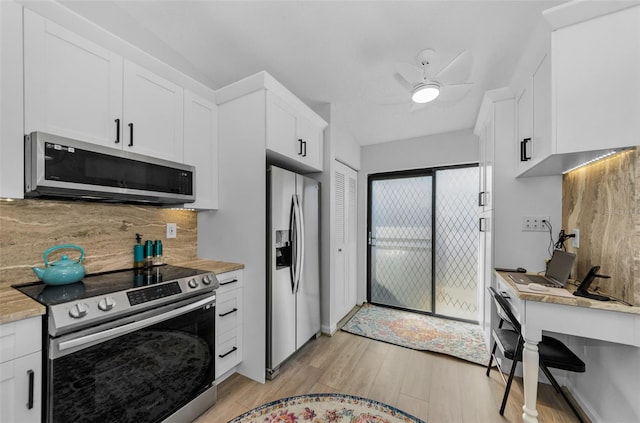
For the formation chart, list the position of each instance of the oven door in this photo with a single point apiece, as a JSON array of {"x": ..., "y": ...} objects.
[{"x": 140, "y": 369}]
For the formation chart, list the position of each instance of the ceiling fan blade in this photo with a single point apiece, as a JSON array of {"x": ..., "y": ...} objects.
[
  {"x": 411, "y": 74},
  {"x": 453, "y": 93},
  {"x": 457, "y": 70},
  {"x": 392, "y": 101},
  {"x": 417, "y": 106},
  {"x": 402, "y": 81}
]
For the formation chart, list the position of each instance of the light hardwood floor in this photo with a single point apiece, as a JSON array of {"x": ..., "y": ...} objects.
[{"x": 433, "y": 387}]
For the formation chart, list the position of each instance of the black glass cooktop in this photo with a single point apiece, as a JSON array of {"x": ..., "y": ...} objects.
[{"x": 104, "y": 283}]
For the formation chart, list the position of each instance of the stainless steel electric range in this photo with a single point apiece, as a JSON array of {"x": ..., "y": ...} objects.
[{"x": 129, "y": 346}]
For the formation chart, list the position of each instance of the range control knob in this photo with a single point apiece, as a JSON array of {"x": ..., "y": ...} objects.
[
  {"x": 207, "y": 280},
  {"x": 193, "y": 283},
  {"x": 106, "y": 304},
  {"x": 78, "y": 310}
]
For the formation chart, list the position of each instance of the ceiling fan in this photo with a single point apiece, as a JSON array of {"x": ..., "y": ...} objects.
[{"x": 448, "y": 86}]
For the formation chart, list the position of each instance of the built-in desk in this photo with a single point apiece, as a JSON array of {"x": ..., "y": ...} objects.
[{"x": 607, "y": 321}]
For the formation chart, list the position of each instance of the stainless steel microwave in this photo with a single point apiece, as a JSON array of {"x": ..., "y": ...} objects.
[{"x": 58, "y": 167}]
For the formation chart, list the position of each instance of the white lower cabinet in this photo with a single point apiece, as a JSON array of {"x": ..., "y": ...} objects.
[
  {"x": 229, "y": 311},
  {"x": 21, "y": 371}
]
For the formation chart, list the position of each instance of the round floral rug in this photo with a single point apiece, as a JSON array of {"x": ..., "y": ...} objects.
[{"x": 325, "y": 408}]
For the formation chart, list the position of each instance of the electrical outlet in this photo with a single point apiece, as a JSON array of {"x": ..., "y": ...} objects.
[
  {"x": 172, "y": 230},
  {"x": 535, "y": 223},
  {"x": 575, "y": 241}
]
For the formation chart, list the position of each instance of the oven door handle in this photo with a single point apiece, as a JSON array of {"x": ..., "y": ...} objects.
[{"x": 130, "y": 327}]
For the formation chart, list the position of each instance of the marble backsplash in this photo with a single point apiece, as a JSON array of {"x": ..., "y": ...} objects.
[
  {"x": 107, "y": 233},
  {"x": 602, "y": 200}
]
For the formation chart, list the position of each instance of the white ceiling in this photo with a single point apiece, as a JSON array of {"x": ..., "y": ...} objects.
[{"x": 339, "y": 52}]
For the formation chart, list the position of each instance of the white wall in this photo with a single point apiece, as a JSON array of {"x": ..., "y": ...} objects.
[
  {"x": 340, "y": 145},
  {"x": 609, "y": 390},
  {"x": 242, "y": 197},
  {"x": 417, "y": 153}
]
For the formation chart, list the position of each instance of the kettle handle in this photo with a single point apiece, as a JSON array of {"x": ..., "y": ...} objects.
[{"x": 60, "y": 247}]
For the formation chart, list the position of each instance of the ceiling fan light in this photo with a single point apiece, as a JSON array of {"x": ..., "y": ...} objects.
[{"x": 425, "y": 93}]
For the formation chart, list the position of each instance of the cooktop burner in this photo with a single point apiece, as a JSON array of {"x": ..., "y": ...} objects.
[
  {"x": 104, "y": 283},
  {"x": 110, "y": 295}
]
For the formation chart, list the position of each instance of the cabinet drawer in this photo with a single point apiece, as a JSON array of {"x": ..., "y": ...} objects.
[
  {"x": 228, "y": 311},
  {"x": 20, "y": 338},
  {"x": 228, "y": 352},
  {"x": 515, "y": 303},
  {"x": 229, "y": 281}
]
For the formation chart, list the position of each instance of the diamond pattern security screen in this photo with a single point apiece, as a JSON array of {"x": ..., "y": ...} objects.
[
  {"x": 401, "y": 222},
  {"x": 412, "y": 267},
  {"x": 456, "y": 258}
]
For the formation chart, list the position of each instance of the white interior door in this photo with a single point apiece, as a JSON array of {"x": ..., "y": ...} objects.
[{"x": 345, "y": 181}]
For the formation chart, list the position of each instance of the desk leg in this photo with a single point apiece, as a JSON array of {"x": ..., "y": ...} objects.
[{"x": 530, "y": 362}]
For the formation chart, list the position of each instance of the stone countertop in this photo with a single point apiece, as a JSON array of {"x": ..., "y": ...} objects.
[
  {"x": 567, "y": 300},
  {"x": 214, "y": 266},
  {"x": 14, "y": 305}
]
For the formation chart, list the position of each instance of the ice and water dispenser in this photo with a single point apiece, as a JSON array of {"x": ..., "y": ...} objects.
[{"x": 283, "y": 249}]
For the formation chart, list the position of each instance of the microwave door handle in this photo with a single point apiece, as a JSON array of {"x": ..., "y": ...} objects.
[{"x": 131, "y": 327}]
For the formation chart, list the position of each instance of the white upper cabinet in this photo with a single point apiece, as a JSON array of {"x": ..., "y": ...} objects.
[
  {"x": 153, "y": 114},
  {"x": 596, "y": 84},
  {"x": 533, "y": 115},
  {"x": 293, "y": 136},
  {"x": 73, "y": 87},
  {"x": 486, "y": 163},
  {"x": 78, "y": 89},
  {"x": 281, "y": 128},
  {"x": 311, "y": 136},
  {"x": 201, "y": 148},
  {"x": 593, "y": 103}
]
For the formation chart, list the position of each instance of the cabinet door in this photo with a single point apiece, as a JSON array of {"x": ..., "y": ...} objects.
[
  {"x": 21, "y": 389},
  {"x": 281, "y": 129},
  {"x": 72, "y": 87},
  {"x": 153, "y": 119},
  {"x": 541, "y": 88},
  {"x": 524, "y": 119},
  {"x": 311, "y": 137},
  {"x": 201, "y": 148},
  {"x": 489, "y": 158},
  {"x": 596, "y": 65},
  {"x": 485, "y": 270}
]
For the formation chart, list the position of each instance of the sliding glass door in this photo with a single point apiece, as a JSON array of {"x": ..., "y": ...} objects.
[{"x": 423, "y": 241}]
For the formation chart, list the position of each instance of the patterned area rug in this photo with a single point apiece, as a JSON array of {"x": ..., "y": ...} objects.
[
  {"x": 420, "y": 332},
  {"x": 325, "y": 408}
]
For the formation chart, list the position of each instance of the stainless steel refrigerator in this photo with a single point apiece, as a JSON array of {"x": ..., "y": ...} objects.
[{"x": 293, "y": 264}]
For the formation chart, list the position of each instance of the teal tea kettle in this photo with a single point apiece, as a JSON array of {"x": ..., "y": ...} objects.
[{"x": 63, "y": 271}]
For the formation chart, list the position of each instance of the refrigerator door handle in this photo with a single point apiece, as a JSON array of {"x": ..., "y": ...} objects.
[
  {"x": 301, "y": 242},
  {"x": 293, "y": 230}
]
